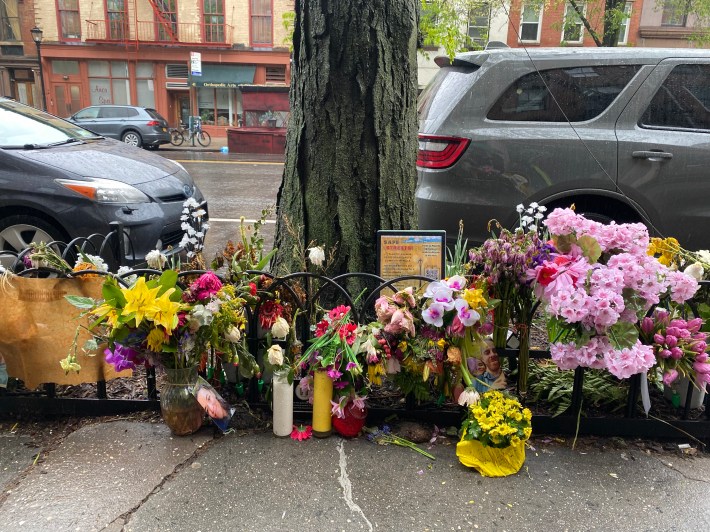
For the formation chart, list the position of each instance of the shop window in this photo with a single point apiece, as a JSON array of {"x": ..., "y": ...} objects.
[
  {"x": 217, "y": 107},
  {"x": 166, "y": 19},
  {"x": 108, "y": 83},
  {"x": 69, "y": 19},
  {"x": 145, "y": 87},
  {"x": 261, "y": 22},
  {"x": 9, "y": 21},
  {"x": 267, "y": 118},
  {"x": 117, "y": 18},
  {"x": 213, "y": 20}
]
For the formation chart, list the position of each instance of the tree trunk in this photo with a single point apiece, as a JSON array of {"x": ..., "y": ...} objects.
[
  {"x": 612, "y": 11},
  {"x": 352, "y": 134}
]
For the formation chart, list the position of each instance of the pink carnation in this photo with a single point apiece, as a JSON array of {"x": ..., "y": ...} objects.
[{"x": 206, "y": 285}]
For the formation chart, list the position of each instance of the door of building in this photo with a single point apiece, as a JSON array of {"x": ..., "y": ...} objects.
[
  {"x": 183, "y": 108},
  {"x": 67, "y": 98}
]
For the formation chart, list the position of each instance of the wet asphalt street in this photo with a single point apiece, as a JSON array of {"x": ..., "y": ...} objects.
[{"x": 234, "y": 185}]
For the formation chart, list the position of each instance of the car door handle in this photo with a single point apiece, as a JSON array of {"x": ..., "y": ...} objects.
[{"x": 652, "y": 155}]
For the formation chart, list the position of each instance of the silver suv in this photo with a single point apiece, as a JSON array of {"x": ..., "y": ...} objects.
[
  {"x": 622, "y": 133},
  {"x": 137, "y": 126}
]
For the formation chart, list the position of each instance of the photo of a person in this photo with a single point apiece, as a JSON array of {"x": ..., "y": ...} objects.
[
  {"x": 214, "y": 405},
  {"x": 493, "y": 376}
]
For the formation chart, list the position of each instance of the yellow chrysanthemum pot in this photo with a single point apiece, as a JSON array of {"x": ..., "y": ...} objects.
[{"x": 491, "y": 461}]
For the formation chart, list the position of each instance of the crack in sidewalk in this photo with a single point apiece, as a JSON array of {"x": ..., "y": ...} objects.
[
  {"x": 123, "y": 519},
  {"x": 347, "y": 486}
]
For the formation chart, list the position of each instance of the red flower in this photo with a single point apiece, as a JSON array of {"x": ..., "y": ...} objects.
[
  {"x": 252, "y": 288},
  {"x": 268, "y": 313},
  {"x": 322, "y": 328},
  {"x": 347, "y": 332},
  {"x": 338, "y": 312},
  {"x": 301, "y": 432}
]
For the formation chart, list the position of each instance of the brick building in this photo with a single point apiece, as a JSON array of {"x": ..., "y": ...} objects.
[{"x": 139, "y": 52}]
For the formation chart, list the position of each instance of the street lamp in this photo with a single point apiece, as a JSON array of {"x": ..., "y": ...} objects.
[{"x": 37, "y": 38}]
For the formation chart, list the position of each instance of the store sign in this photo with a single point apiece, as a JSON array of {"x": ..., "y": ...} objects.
[{"x": 195, "y": 64}]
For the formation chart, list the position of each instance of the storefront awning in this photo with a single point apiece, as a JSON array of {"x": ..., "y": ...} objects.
[{"x": 223, "y": 76}]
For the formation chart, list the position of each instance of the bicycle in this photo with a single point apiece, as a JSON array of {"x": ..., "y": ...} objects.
[
  {"x": 197, "y": 133},
  {"x": 177, "y": 134}
]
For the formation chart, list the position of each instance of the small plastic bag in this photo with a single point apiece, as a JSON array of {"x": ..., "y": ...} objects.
[
  {"x": 215, "y": 406},
  {"x": 491, "y": 461}
]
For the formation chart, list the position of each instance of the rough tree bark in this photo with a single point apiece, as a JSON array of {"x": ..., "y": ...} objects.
[{"x": 352, "y": 134}]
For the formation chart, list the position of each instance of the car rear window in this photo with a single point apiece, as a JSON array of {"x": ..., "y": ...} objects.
[
  {"x": 154, "y": 114},
  {"x": 448, "y": 86},
  {"x": 558, "y": 95},
  {"x": 683, "y": 101}
]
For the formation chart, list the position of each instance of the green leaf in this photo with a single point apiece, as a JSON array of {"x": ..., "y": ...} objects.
[
  {"x": 563, "y": 243},
  {"x": 590, "y": 248},
  {"x": 623, "y": 334},
  {"x": 81, "y": 302},
  {"x": 112, "y": 293},
  {"x": 263, "y": 262},
  {"x": 168, "y": 279}
]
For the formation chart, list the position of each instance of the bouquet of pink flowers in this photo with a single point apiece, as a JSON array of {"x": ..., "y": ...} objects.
[{"x": 597, "y": 288}]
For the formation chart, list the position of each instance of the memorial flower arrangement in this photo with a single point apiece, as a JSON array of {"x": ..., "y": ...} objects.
[
  {"x": 153, "y": 321},
  {"x": 454, "y": 316},
  {"x": 388, "y": 341},
  {"x": 679, "y": 345},
  {"x": 597, "y": 287},
  {"x": 497, "y": 420},
  {"x": 504, "y": 260},
  {"x": 334, "y": 349},
  {"x": 493, "y": 435}
]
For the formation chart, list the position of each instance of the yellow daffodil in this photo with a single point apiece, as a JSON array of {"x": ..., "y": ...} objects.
[
  {"x": 374, "y": 373},
  {"x": 109, "y": 312},
  {"x": 140, "y": 300}
]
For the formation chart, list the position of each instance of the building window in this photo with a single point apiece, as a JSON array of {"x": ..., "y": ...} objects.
[
  {"x": 675, "y": 14},
  {"x": 145, "y": 87},
  {"x": 573, "y": 29},
  {"x": 213, "y": 17},
  {"x": 117, "y": 19},
  {"x": 69, "y": 20},
  {"x": 478, "y": 25},
  {"x": 166, "y": 20},
  {"x": 216, "y": 107},
  {"x": 108, "y": 83},
  {"x": 9, "y": 21},
  {"x": 624, "y": 26},
  {"x": 261, "y": 23},
  {"x": 530, "y": 23}
]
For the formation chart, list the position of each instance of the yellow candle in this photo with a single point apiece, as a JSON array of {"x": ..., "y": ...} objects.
[{"x": 322, "y": 394}]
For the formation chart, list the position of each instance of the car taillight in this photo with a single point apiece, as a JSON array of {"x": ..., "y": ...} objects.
[
  {"x": 440, "y": 152},
  {"x": 153, "y": 123}
]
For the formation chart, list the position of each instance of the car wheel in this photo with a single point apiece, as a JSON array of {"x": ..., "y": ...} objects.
[
  {"x": 18, "y": 232},
  {"x": 132, "y": 138}
]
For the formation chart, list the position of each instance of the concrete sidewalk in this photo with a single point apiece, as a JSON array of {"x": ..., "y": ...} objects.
[{"x": 135, "y": 476}]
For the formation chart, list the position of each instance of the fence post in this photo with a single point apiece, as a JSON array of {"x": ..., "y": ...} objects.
[{"x": 119, "y": 248}]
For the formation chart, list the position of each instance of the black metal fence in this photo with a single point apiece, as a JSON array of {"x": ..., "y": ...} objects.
[{"x": 307, "y": 291}]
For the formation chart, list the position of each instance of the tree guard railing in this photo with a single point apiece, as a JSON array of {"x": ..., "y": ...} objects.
[{"x": 306, "y": 291}]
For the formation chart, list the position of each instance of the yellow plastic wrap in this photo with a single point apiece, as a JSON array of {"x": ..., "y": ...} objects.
[{"x": 490, "y": 461}]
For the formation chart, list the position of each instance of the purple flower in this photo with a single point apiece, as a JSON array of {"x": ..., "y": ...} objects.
[{"x": 122, "y": 358}]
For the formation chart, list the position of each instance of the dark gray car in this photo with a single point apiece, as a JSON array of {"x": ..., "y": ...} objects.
[
  {"x": 622, "y": 133},
  {"x": 137, "y": 126},
  {"x": 59, "y": 182}
]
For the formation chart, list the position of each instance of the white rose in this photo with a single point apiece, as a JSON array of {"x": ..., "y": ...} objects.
[
  {"x": 316, "y": 255},
  {"x": 233, "y": 335},
  {"x": 695, "y": 270},
  {"x": 280, "y": 328},
  {"x": 275, "y": 355},
  {"x": 156, "y": 260}
]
